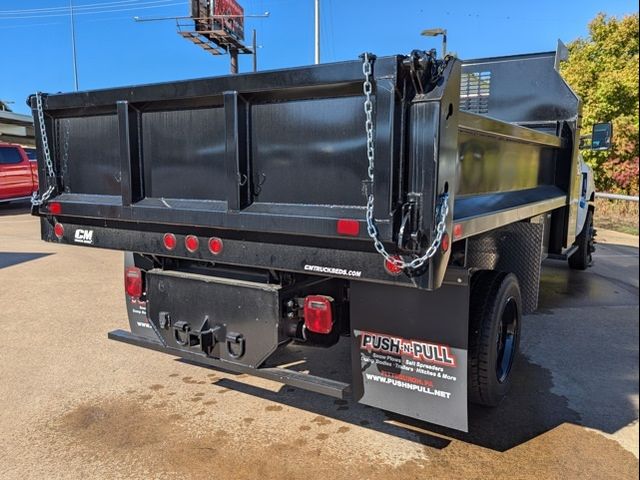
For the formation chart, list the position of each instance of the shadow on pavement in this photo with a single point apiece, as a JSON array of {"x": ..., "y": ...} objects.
[
  {"x": 8, "y": 259},
  {"x": 604, "y": 284},
  {"x": 530, "y": 410}
]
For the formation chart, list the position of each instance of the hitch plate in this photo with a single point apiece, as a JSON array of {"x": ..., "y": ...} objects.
[{"x": 216, "y": 318}]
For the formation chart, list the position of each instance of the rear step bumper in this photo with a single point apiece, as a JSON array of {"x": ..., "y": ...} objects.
[
  {"x": 323, "y": 261},
  {"x": 304, "y": 381}
]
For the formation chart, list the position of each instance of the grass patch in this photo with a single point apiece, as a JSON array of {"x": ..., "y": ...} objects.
[{"x": 618, "y": 215}]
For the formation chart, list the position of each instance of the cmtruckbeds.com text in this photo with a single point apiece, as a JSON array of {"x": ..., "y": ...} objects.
[{"x": 333, "y": 271}]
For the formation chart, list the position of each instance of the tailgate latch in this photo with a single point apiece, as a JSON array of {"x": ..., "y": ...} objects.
[{"x": 410, "y": 236}]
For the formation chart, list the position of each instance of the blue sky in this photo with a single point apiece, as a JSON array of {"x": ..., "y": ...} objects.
[{"x": 113, "y": 50}]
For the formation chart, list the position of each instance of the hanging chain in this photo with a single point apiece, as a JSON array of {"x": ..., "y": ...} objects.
[
  {"x": 36, "y": 201},
  {"x": 372, "y": 229},
  {"x": 65, "y": 152}
]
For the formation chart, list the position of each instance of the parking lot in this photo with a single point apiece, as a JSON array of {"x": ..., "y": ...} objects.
[{"x": 76, "y": 405}]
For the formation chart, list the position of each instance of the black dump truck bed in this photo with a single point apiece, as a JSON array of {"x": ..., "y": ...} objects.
[
  {"x": 402, "y": 204},
  {"x": 276, "y": 162}
]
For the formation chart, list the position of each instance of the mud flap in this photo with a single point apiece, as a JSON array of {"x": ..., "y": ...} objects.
[{"x": 409, "y": 350}]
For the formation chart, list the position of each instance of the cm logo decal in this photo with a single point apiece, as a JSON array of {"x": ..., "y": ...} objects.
[{"x": 83, "y": 236}]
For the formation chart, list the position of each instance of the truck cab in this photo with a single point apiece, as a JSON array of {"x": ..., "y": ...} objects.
[{"x": 18, "y": 173}]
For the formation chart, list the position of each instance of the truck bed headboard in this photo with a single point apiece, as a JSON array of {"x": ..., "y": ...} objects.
[{"x": 519, "y": 89}]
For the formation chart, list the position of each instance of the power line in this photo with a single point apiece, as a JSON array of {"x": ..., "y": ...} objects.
[
  {"x": 145, "y": 6},
  {"x": 86, "y": 6}
]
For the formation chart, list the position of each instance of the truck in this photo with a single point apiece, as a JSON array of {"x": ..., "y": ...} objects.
[
  {"x": 397, "y": 206},
  {"x": 18, "y": 173}
]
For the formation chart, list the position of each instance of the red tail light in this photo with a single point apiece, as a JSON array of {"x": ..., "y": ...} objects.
[
  {"x": 318, "y": 314},
  {"x": 457, "y": 231},
  {"x": 191, "y": 243},
  {"x": 133, "y": 281},
  {"x": 391, "y": 267},
  {"x": 55, "y": 208},
  {"x": 348, "y": 227},
  {"x": 215, "y": 245},
  {"x": 58, "y": 230},
  {"x": 170, "y": 241},
  {"x": 445, "y": 242}
]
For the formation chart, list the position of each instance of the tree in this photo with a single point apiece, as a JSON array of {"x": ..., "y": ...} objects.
[{"x": 603, "y": 70}]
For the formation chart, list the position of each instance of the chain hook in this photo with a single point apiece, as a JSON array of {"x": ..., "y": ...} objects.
[
  {"x": 36, "y": 200},
  {"x": 372, "y": 228}
]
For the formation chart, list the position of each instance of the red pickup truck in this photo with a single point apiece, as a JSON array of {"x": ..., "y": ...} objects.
[{"x": 18, "y": 172}]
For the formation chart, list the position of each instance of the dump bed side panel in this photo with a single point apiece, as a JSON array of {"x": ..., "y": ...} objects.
[{"x": 528, "y": 90}]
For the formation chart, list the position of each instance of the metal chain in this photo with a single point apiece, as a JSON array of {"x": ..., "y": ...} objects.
[
  {"x": 372, "y": 229},
  {"x": 36, "y": 201},
  {"x": 65, "y": 153}
]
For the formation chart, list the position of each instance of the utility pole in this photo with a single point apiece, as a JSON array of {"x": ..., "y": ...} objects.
[
  {"x": 233, "y": 54},
  {"x": 254, "y": 45},
  {"x": 317, "y": 40},
  {"x": 73, "y": 45}
]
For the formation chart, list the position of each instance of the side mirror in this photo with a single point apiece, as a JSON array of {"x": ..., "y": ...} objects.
[{"x": 601, "y": 136}]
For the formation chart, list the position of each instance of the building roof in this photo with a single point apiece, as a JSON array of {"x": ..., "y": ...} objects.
[{"x": 16, "y": 128}]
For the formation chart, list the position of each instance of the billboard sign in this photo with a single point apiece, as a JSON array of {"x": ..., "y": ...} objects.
[
  {"x": 230, "y": 16},
  {"x": 200, "y": 9}
]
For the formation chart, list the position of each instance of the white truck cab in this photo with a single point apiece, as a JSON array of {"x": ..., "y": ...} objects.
[{"x": 587, "y": 194}]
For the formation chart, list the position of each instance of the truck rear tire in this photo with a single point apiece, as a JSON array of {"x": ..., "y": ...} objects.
[
  {"x": 582, "y": 258},
  {"x": 495, "y": 317}
]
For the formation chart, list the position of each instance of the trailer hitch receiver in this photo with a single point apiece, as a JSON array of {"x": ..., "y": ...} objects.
[{"x": 205, "y": 337}]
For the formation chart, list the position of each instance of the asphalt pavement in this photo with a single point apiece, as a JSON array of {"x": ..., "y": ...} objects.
[{"x": 76, "y": 405}]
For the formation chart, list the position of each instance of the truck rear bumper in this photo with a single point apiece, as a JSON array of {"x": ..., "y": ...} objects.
[
  {"x": 323, "y": 261},
  {"x": 304, "y": 381}
]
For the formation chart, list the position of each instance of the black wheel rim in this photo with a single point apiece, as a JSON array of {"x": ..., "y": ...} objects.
[{"x": 506, "y": 341}]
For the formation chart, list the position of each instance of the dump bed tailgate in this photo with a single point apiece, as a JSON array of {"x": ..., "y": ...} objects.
[
  {"x": 278, "y": 158},
  {"x": 279, "y": 152}
]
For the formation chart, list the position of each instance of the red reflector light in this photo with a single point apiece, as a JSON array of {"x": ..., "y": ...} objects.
[
  {"x": 457, "y": 231},
  {"x": 445, "y": 242},
  {"x": 55, "y": 208},
  {"x": 58, "y": 230},
  {"x": 133, "y": 281},
  {"x": 170, "y": 241},
  {"x": 318, "y": 315},
  {"x": 348, "y": 227},
  {"x": 391, "y": 267},
  {"x": 191, "y": 243},
  {"x": 215, "y": 245}
]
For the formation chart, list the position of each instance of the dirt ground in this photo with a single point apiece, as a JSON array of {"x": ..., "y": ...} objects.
[{"x": 76, "y": 405}]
